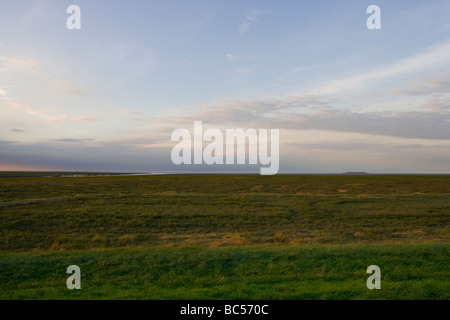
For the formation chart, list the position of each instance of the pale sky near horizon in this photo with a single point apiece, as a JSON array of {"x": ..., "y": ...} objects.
[{"x": 108, "y": 96}]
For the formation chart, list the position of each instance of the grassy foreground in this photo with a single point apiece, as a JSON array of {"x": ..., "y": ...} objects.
[
  {"x": 225, "y": 237},
  {"x": 268, "y": 272}
]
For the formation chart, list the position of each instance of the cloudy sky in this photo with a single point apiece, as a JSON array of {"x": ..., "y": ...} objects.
[{"x": 107, "y": 97}]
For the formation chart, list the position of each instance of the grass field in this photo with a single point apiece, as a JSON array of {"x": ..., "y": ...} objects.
[{"x": 225, "y": 237}]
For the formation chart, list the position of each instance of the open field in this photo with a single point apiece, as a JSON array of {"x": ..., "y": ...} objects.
[
  {"x": 267, "y": 272},
  {"x": 225, "y": 237}
]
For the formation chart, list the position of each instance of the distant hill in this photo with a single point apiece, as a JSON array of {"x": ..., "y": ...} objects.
[{"x": 355, "y": 173}]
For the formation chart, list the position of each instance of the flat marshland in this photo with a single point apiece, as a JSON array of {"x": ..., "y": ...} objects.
[{"x": 225, "y": 236}]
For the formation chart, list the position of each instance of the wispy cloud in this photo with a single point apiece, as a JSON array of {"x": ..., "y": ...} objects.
[
  {"x": 129, "y": 111},
  {"x": 437, "y": 56},
  {"x": 300, "y": 69},
  {"x": 436, "y": 84},
  {"x": 230, "y": 57},
  {"x": 69, "y": 88},
  {"x": 45, "y": 114},
  {"x": 70, "y": 140},
  {"x": 250, "y": 18},
  {"x": 33, "y": 14},
  {"x": 243, "y": 70},
  {"x": 21, "y": 63},
  {"x": 134, "y": 119},
  {"x": 95, "y": 117},
  {"x": 18, "y": 130},
  {"x": 439, "y": 105}
]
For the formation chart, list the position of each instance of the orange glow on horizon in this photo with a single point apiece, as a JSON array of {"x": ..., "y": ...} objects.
[{"x": 18, "y": 167}]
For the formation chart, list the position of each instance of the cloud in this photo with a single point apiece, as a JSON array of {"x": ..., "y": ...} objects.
[
  {"x": 70, "y": 140},
  {"x": 135, "y": 59},
  {"x": 311, "y": 113},
  {"x": 250, "y": 18},
  {"x": 69, "y": 88},
  {"x": 243, "y": 70},
  {"x": 4, "y": 143},
  {"x": 75, "y": 93},
  {"x": 47, "y": 115},
  {"x": 33, "y": 14},
  {"x": 87, "y": 118},
  {"x": 427, "y": 85},
  {"x": 72, "y": 156},
  {"x": 21, "y": 63},
  {"x": 300, "y": 69},
  {"x": 437, "y": 56},
  {"x": 230, "y": 57},
  {"x": 368, "y": 156},
  {"x": 437, "y": 105},
  {"x": 129, "y": 111},
  {"x": 134, "y": 119},
  {"x": 310, "y": 151},
  {"x": 18, "y": 130}
]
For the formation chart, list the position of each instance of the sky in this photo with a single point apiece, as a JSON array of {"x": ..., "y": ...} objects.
[{"x": 108, "y": 96}]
